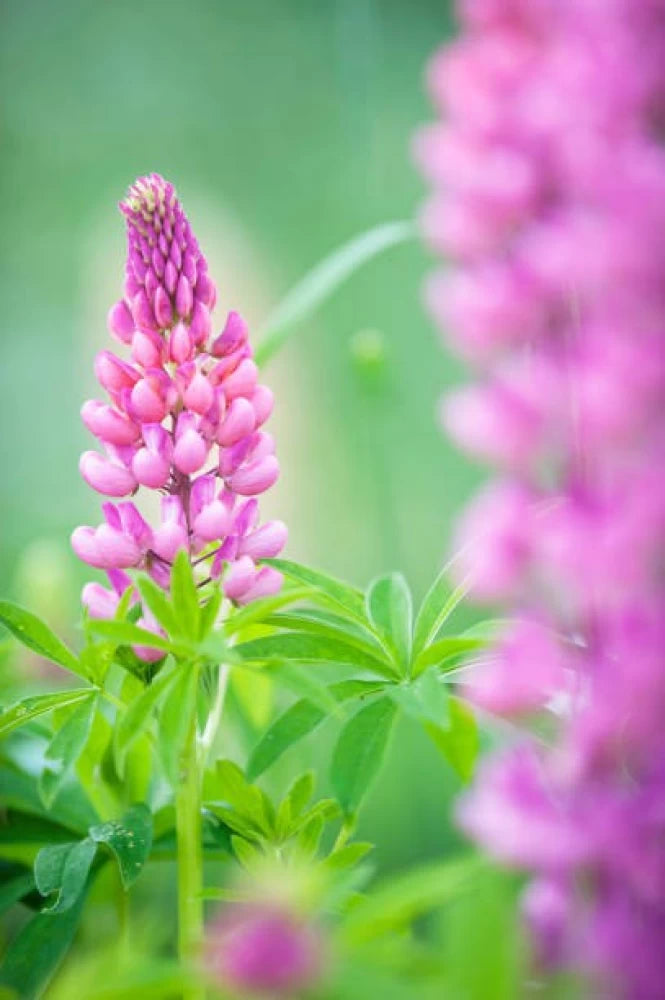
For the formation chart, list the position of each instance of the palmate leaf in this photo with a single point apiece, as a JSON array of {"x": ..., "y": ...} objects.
[
  {"x": 425, "y": 699},
  {"x": 314, "y": 621},
  {"x": 36, "y": 635},
  {"x": 300, "y": 647},
  {"x": 389, "y": 608},
  {"x": 343, "y": 596},
  {"x": 64, "y": 869},
  {"x": 259, "y": 611},
  {"x": 438, "y": 604},
  {"x": 185, "y": 596},
  {"x": 129, "y": 839},
  {"x": 124, "y": 633},
  {"x": 359, "y": 752},
  {"x": 298, "y": 721},
  {"x": 37, "y": 950},
  {"x": 32, "y": 708},
  {"x": 65, "y": 747},
  {"x": 176, "y": 718},
  {"x": 134, "y": 721},
  {"x": 447, "y": 652},
  {"x": 459, "y": 742}
]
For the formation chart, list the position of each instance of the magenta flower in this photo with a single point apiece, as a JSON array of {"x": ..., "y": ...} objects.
[
  {"x": 548, "y": 171},
  {"x": 265, "y": 951},
  {"x": 184, "y": 418}
]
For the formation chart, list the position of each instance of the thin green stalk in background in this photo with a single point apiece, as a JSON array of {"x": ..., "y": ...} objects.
[
  {"x": 324, "y": 278},
  {"x": 190, "y": 858}
]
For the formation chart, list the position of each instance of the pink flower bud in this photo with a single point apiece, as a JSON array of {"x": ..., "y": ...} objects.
[
  {"x": 117, "y": 548},
  {"x": 232, "y": 336},
  {"x": 213, "y": 522},
  {"x": 120, "y": 322},
  {"x": 200, "y": 325},
  {"x": 256, "y": 477},
  {"x": 266, "y": 542},
  {"x": 149, "y": 654},
  {"x": 100, "y": 602},
  {"x": 265, "y": 951},
  {"x": 162, "y": 307},
  {"x": 262, "y": 400},
  {"x": 238, "y": 422},
  {"x": 172, "y": 533},
  {"x": 242, "y": 381},
  {"x": 147, "y": 402},
  {"x": 191, "y": 450},
  {"x": 184, "y": 298},
  {"x": 147, "y": 349},
  {"x": 205, "y": 291},
  {"x": 181, "y": 345},
  {"x": 199, "y": 394},
  {"x": 109, "y": 425},
  {"x": 114, "y": 374},
  {"x": 239, "y": 578},
  {"x": 84, "y": 544},
  {"x": 151, "y": 464},
  {"x": 268, "y": 582},
  {"x": 108, "y": 478},
  {"x": 143, "y": 314}
]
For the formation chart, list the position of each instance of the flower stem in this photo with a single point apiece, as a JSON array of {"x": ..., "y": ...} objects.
[{"x": 190, "y": 862}]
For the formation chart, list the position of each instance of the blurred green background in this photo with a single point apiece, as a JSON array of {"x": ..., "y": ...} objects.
[{"x": 285, "y": 125}]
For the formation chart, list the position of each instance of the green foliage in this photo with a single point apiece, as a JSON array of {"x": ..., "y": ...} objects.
[
  {"x": 37, "y": 636},
  {"x": 459, "y": 741},
  {"x": 32, "y": 708},
  {"x": 129, "y": 840},
  {"x": 37, "y": 950},
  {"x": 360, "y": 750},
  {"x": 389, "y": 609},
  {"x": 176, "y": 718},
  {"x": 65, "y": 748},
  {"x": 63, "y": 869}
]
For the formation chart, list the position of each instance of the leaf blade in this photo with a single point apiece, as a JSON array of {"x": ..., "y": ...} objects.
[{"x": 359, "y": 752}]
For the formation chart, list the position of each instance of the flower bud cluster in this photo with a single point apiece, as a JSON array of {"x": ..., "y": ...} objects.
[
  {"x": 184, "y": 417},
  {"x": 548, "y": 170}
]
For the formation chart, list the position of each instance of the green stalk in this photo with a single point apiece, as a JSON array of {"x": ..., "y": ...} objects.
[{"x": 190, "y": 861}]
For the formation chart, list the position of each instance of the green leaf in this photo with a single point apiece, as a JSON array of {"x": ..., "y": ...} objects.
[
  {"x": 228, "y": 785},
  {"x": 439, "y": 603},
  {"x": 259, "y": 610},
  {"x": 348, "y": 599},
  {"x": 293, "y": 804},
  {"x": 157, "y": 602},
  {"x": 248, "y": 855},
  {"x": 389, "y": 608},
  {"x": 402, "y": 898},
  {"x": 426, "y": 699},
  {"x": 209, "y": 612},
  {"x": 360, "y": 750},
  {"x": 303, "y": 648},
  {"x": 124, "y": 633},
  {"x": 317, "y": 622},
  {"x": 185, "y": 596},
  {"x": 297, "y": 722},
  {"x": 129, "y": 839},
  {"x": 447, "y": 652},
  {"x": 36, "y": 635},
  {"x": 302, "y": 680},
  {"x": 40, "y": 704},
  {"x": 176, "y": 718},
  {"x": 19, "y": 884},
  {"x": 347, "y": 856},
  {"x": 324, "y": 278},
  {"x": 310, "y": 836},
  {"x": 37, "y": 950},
  {"x": 133, "y": 722},
  {"x": 65, "y": 747},
  {"x": 64, "y": 869},
  {"x": 459, "y": 743}
]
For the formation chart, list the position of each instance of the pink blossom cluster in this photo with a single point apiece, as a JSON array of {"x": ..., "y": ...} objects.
[
  {"x": 184, "y": 418},
  {"x": 264, "y": 951},
  {"x": 548, "y": 169}
]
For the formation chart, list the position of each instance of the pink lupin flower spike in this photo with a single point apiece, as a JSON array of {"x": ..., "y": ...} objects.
[{"x": 185, "y": 401}]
